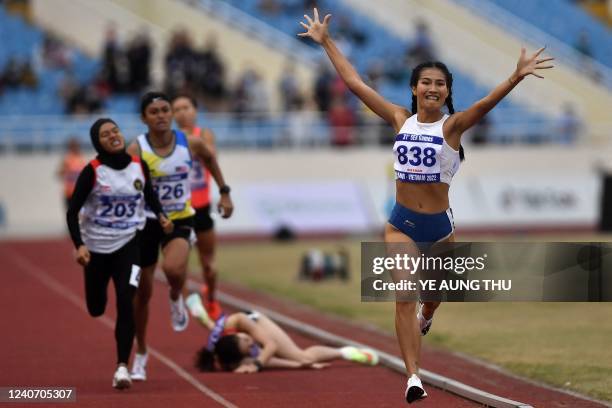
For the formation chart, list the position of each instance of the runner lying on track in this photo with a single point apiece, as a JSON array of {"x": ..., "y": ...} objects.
[{"x": 246, "y": 342}]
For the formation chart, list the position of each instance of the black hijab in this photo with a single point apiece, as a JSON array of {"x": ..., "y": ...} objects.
[{"x": 118, "y": 160}]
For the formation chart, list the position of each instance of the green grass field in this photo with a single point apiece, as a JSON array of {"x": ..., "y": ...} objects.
[{"x": 567, "y": 345}]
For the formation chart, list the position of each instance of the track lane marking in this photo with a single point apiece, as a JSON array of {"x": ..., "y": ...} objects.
[{"x": 64, "y": 292}]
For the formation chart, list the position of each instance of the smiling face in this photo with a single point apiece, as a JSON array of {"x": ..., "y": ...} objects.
[
  {"x": 431, "y": 89},
  {"x": 244, "y": 343},
  {"x": 111, "y": 139},
  {"x": 158, "y": 116},
  {"x": 184, "y": 112}
]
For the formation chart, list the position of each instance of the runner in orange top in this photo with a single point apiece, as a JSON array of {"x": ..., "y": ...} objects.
[
  {"x": 70, "y": 168},
  {"x": 185, "y": 114}
]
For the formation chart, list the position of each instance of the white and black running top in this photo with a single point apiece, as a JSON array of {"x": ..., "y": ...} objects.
[
  {"x": 112, "y": 190},
  {"x": 114, "y": 209},
  {"x": 422, "y": 155}
]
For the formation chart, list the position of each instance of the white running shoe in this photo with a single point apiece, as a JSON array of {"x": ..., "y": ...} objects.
[
  {"x": 139, "y": 367},
  {"x": 121, "y": 379},
  {"x": 414, "y": 390},
  {"x": 424, "y": 324},
  {"x": 178, "y": 314}
]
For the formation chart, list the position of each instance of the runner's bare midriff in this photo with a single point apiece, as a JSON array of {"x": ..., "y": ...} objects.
[{"x": 423, "y": 198}]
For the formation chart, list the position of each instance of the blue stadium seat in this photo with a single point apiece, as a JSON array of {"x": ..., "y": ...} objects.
[
  {"x": 564, "y": 20},
  {"x": 45, "y": 99}
]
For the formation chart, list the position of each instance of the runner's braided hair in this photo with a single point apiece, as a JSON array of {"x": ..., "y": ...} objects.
[{"x": 414, "y": 79}]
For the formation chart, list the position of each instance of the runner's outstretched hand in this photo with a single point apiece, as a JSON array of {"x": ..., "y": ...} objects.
[{"x": 316, "y": 29}]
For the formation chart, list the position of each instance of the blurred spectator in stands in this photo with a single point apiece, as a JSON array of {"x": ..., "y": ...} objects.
[
  {"x": 480, "y": 131},
  {"x": 17, "y": 74},
  {"x": 68, "y": 85},
  {"x": 583, "y": 46},
  {"x": 339, "y": 90},
  {"x": 291, "y": 7},
  {"x": 342, "y": 120},
  {"x": 347, "y": 30},
  {"x": 569, "y": 125},
  {"x": 289, "y": 89},
  {"x": 55, "y": 54},
  {"x": 181, "y": 63},
  {"x": 102, "y": 87},
  {"x": 85, "y": 100},
  {"x": 322, "y": 87},
  {"x": 139, "y": 52},
  {"x": 211, "y": 73},
  {"x": 270, "y": 7},
  {"x": 311, "y": 4},
  {"x": 239, "y": 100},
  {"x": 28, "y": 76},
  {"x": 303, "y": 124},
  {"x": 250, "y": 98},
  {"x": 70, "y": 167},
  {"x": 398, "y": 71},
  {"x": 375, "y": 73},
  {"x": 258, "y": 97},
  {"x": 79, "y": 98},
  {"x": 11, "y": 75},
  {"x": 422, "y": 49},
  {"x": 114, "y": 65}
]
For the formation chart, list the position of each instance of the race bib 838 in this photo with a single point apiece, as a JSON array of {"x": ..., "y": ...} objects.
[{"x": 417, "y": 158}]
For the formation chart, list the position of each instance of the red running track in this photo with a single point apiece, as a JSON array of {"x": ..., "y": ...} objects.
[{"x": 50, "y": 340}]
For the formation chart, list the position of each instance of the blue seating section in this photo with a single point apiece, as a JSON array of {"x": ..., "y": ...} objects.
[
  {"x": 381, "y": 44},
  {"x": 564, "y": 20},
  {"x": 26, "y": 39}
]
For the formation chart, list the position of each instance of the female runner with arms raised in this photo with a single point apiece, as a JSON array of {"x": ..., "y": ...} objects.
[{"x": 424, "y": 166}]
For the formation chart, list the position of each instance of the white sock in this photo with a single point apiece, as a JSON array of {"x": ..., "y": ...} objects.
[{"x": 142, "y": 358}]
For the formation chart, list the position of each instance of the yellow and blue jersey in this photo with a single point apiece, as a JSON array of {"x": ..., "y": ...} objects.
[{"x": 170, "y": 176}]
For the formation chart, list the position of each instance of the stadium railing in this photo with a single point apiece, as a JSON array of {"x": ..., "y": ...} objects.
[{"x": 273, "y": 130}]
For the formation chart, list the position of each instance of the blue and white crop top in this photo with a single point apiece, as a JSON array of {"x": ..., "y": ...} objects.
[{"x": 422, "y": 155}]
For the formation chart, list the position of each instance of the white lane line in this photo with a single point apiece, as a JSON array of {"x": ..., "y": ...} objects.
[{"x": 53, "y": 284}]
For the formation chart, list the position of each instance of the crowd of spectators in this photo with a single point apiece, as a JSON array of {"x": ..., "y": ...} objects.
[
  {"x": 197, "y": 68},
  {"x": 18, "y": 73}
]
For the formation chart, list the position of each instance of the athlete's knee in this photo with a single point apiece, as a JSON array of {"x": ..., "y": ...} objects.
[
  {"x": 174, "y": 271},
  {"x": 174, "y": 267},
  {"x": 306, "y": 359},
  {"x": 175, "y": 276}
]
